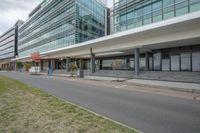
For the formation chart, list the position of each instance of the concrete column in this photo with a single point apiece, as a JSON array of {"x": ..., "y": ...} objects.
[
  {"x": 128, "y": 63},
  {"x": 52, "y": 64},
  {"x": 81, "y": 64},
  {"x": 92, "y": 61},
  {"x": 68, "y": 60},
  {"x": 137, "y": 61},
  {"x": 41, "y": 65},
  {"x": 147, "y": 61}
]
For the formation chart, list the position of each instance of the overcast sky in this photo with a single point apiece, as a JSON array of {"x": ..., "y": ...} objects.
[{"x": 13, "y": 10}]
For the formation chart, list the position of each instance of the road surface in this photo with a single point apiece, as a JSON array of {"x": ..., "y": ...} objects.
[{"x": 149, "y": 113}]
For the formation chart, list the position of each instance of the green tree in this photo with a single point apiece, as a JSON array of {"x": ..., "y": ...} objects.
[
  {"x": 19, "y": 64},
  {"x": 116, "y": 66},
  {"x": 27, "y": 66},
  {"x": 73, "y": 68}
]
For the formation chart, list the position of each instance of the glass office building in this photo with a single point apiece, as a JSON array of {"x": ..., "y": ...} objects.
[
  {"x": 129, "y": 14},
  {"x": 8, "y": 46},
  {"x": 57, "y": 24}
]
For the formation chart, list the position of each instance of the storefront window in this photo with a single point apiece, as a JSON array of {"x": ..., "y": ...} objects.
[
  {"x": 165, "y": 60},
  {"x": 196, "y": 58},
  {"x": 151, "y": 63},
  {"x": 142, "y": 63},
  {"x": 132, "y": 63},
  {"x": 119, "y": 64},
  {"x": 175, "y": 60},
  {"x": 156, "y": 61},
  {"x": 185, "y": 59}
]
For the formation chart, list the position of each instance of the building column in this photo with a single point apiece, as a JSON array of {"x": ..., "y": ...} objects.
[
  {"x": 137, "y": 61},
  {"x": 92, "y": 61},
  {"x": 147, "y": 61},
  {"x": 68, "y": 60},
  {"x": 52, "y": 64},
  {"x": 81, "y": 64},
  {"x": 41, "y": 65},
  {"x": 127, "y": 63}
]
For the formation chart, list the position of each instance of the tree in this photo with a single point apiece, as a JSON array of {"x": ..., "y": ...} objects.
[
  {"x": 73, "y": 68},
  {"x": 19, "y": 64},
  {"x": 116, "y": 66},
  {"x": 27, "y": 66}
]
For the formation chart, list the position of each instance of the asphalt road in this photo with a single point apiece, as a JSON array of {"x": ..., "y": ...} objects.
[{"x": 150, "y": 113}]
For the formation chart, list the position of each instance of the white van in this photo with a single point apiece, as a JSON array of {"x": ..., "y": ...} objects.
[{"x": 34, "y": 70}]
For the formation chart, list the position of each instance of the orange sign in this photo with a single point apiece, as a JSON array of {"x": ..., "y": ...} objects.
[{"x": 35, "y": 56}]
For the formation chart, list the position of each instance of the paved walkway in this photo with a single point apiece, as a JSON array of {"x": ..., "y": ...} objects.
[
  {"x": 104, "y": 78},
  {"x": 176, "y": 85}
]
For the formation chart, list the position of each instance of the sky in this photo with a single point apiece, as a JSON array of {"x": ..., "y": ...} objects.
[{"x": 13, "y": 10}]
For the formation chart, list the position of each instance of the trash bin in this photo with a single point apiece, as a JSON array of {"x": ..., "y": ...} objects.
[
  {"x": 80, "y": 73},
  {"x": 50, "y": 72}
]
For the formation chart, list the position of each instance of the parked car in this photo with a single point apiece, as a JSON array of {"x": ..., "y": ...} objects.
[{"x": 34, "y": 70}]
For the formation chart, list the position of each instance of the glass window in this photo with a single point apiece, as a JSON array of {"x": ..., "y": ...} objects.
[
  {"x": 194, "y": 5},
  {"x": 107, "y": 64},
  {"x": 157, "y": 61},
  {"x": 185, "y": 59},
  {"x": 147, "y": 14},
  {"x": 157, "y": 11},
  {"x": 196, "y": 58},
  {"x": 165, "y": 60},
  {"x": 123, "y": 18},
  {"x": 150, "y": 63},
  {"x": 142, "y": 63},
  {"x": 132, "y": 63},
  {"x": 138, "y": 17},
  {"x": 181, "y": 7},
  {"x": 168, "y": 9},
  {"x": 175, "y": 59},
  {"x": 196, "y": 61},
  {"x": 130, "y": 15}
]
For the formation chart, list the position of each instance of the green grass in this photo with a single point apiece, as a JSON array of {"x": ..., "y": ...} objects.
[{"x": 24, "y": 109}]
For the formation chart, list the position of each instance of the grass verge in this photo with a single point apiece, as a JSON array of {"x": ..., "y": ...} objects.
[{"x": 27, "y": 109}]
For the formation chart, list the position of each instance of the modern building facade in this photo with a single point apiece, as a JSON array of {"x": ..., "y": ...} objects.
[
  {"x": 129, "y": 14},
  {"x": 156, "y": 39},
  {"x": 56, "y": 24},
  {"x": 8, "y": 47}
]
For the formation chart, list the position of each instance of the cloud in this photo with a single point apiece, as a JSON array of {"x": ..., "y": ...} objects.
[{"x": 12, "y": 10}]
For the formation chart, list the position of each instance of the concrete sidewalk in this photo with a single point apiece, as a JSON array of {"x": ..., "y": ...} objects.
[
  {"x": 176, "y": 85},
  {"x": 104, "y": 78},
  {"x": 182, "y": 86}
]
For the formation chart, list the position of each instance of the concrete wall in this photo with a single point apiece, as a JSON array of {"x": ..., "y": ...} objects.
[{"x": 193, "y": 77}]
